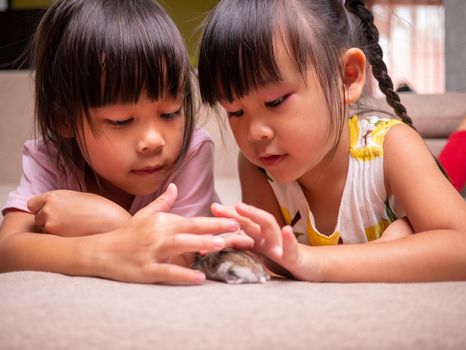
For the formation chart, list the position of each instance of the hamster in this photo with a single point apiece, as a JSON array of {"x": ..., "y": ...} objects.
[{"x": 232, "y": 266}]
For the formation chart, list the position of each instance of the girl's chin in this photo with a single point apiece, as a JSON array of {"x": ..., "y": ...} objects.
[{"x": 281, "y": 176}]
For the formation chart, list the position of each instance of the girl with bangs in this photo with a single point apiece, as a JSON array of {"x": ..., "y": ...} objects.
[
  {"x": 332, "y": 190},
  {"x": 120, "y": 175}
]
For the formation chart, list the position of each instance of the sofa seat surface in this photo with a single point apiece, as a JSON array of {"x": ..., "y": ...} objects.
[{"x": 41, "y": 310}]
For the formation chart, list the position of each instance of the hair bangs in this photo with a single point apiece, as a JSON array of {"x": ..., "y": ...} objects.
[
  {"x": 116, "y": 62},
  {"x": 239, "y": 46},
  {"x": 237, "y": 54}
]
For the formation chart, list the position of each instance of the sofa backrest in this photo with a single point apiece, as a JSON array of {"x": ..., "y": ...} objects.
[{"x": 435, "y": 116}]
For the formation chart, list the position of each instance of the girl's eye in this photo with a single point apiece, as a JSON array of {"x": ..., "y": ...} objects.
[
  {"x": 170, "y": 116},
  {"x": 237, "y": 113},
  {"x": 277, "y": 102},
  {"x": 119, "y": 123}
]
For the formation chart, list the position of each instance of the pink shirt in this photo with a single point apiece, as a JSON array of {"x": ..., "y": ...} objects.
[{"x": 194, "y": 179}]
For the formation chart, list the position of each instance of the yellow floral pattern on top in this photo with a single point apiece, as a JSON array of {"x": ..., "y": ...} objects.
[
  {"x": 365, "y": 211},
  {"x": 367, "y": 144}
]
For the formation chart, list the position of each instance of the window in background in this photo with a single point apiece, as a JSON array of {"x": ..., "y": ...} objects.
[
  {"x": 188, "y": 16},
  {"x": 412, "y": 36}
]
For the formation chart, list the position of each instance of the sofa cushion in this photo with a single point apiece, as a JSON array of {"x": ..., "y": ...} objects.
[{"x": 49, "y": 311}]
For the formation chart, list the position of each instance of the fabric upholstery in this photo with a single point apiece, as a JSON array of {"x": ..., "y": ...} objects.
[{"x": 50, "y": 311}]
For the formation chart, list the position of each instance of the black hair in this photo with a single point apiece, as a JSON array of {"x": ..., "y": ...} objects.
[
  {"x": 238, "y": 48},
  {"x": 92, "y": 53}
]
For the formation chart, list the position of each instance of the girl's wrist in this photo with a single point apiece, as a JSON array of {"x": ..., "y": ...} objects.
[
  {"x": 91, "y": 252},
  {"x": 310, "y": 265}
]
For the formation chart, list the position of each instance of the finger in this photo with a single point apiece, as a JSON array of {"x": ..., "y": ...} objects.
[
  {"x": 270, "y": 229},
  {"x": 174, "y": 274},
  {"x": 238, "y": 241},
  {"x": 186, "y": 243},
  {"x": 36, "y": 203},
  {"x": 251, "y": 228},
  {"x": 290, "y": 244},
  {"x": 40, "y": 219},
  {"x": 163, "y": 203},
  {"x": 207, "y": 225},
  {"x": 220, "y": 210}
]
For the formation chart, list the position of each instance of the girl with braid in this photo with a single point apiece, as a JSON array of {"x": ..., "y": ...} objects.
[{"x": 331, "y": 192}]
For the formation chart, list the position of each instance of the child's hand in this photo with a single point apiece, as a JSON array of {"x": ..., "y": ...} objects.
[
  {"x": 142, "y": 249},
  {"x": 72, "y": 213},
  {"x": 267, "y": 238},
  {"x": 277, "y": 244}
]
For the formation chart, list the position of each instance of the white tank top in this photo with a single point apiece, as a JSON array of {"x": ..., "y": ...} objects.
[{"x": 365, "y": 211}]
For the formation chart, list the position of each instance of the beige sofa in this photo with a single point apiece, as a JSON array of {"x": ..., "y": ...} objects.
[{"x": 52, "y": 311}]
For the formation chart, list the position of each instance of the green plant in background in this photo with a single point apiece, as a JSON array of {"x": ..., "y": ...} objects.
[
  {"x": 29, "y": 4},
  {"x": 189, "y": 15}
]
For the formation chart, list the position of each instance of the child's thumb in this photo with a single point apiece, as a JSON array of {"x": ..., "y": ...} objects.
[{"x": 163, "y": 203}]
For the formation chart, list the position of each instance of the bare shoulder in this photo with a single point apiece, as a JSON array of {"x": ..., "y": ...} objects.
[
  {"x": 414, "y": 178},
  {"x": 256, "y": 189}
]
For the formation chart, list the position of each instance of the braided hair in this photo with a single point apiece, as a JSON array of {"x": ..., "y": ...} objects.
[
  {"x": 373, "y": 51},
  {"x": 369, "y": 43}
]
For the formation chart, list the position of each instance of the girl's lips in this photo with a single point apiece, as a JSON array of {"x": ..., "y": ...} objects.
[
  {"x": 272, "y": 160},
  {"x": 148, "y": 170}
]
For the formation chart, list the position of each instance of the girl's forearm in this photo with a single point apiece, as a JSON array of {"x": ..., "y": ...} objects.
[
  {"x": 429, "y": 256},
  {"x": 70, "y": 213},
  {"x": 44, "y": 252}
]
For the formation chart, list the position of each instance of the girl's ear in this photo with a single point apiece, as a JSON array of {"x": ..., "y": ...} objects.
[{"x": 354, "y": 70}]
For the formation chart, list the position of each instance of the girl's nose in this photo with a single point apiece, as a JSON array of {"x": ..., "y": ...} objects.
[
  {"x": 150, "y": 141},
  {"x": 259, "y": 131}
]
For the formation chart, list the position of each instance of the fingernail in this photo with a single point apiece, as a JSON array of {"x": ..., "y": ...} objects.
[
  {"x": 219, "y": 242},
  {"x": 242, "y": 206},
  {"x": 217, "y": 206},
  {"x": 200, "y": 277},
  {"x": 278, "y": 251},
  {"x": 232, "y": 225}
]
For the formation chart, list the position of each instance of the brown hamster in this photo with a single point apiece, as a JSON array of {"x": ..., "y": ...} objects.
[{"x": 232, "y": 266}]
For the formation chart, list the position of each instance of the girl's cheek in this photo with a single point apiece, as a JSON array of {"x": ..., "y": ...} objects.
[{"x": 239, "y": 134}]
